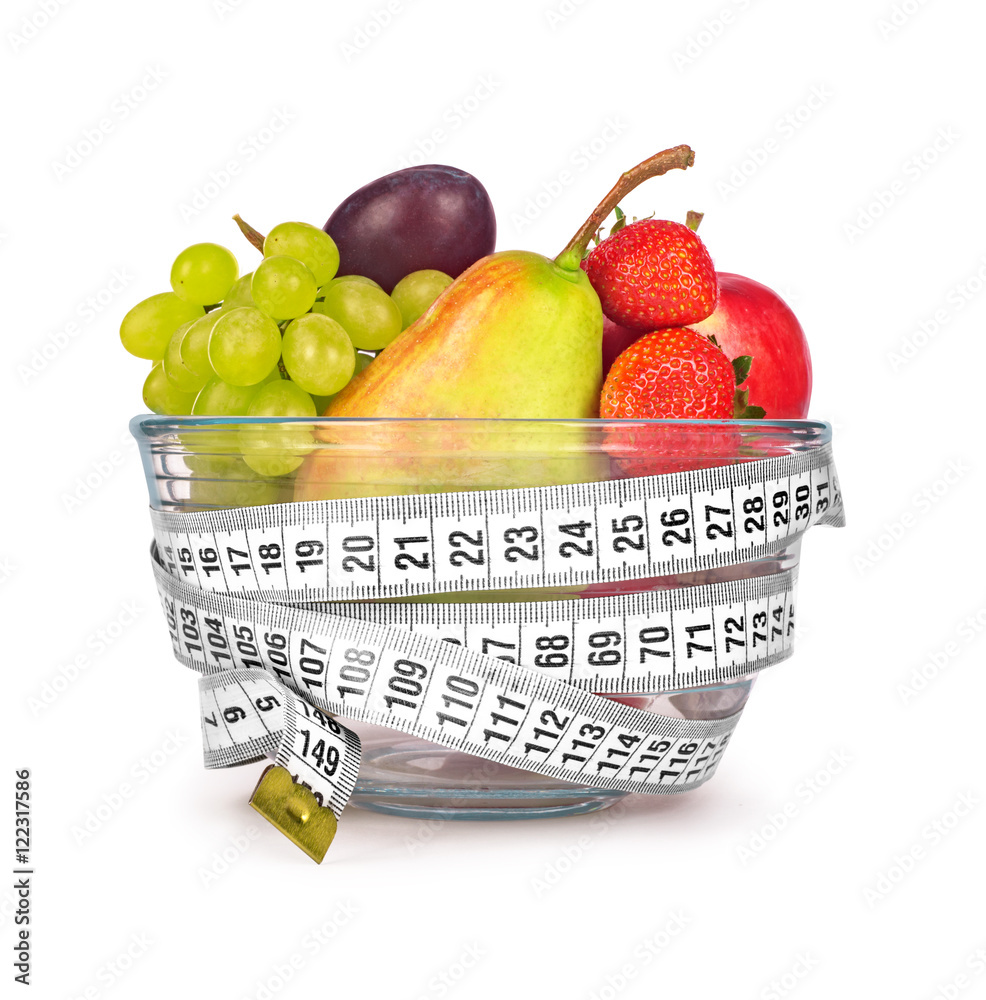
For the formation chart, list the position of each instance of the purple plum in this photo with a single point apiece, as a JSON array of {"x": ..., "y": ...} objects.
[{"x": 432, "y": 216}]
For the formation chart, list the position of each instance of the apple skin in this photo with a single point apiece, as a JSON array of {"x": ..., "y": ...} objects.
[
  {"x": 616, "y": 339},
  {"x": 752, "y": 319}
]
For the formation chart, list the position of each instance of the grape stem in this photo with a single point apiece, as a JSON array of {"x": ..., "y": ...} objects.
[
  {"x": 676, "y": 158},
  {"x": 253, "y": 237}
]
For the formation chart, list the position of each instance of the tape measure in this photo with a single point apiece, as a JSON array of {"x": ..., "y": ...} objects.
[{"x": 259, "y": 600}]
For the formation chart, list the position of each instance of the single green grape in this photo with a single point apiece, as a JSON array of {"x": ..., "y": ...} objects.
[
  {"x": 369, "y": 315},
  {"x": 309, "y": 244},
  {"x": 318, "y": 354},
  {"x": 180, "y": 376},
  {"x": 162, "y": 396},
  {"x": 415, "y": 292},
  {"x": 283, "y": 287},
  {"x": 277, "y": 449},
  {"x": 282, "y": 398},
  {"x": 244, "y": 345},
  {"x": 147, "y": 328},
  {"x": 220, "y": 399},
  {"x": 194, "y": 348},
  {"x": 203, "y": 273},
  {"x": 239, "y": 294}
]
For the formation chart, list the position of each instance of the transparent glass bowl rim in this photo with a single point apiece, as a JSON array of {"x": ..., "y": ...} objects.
[{"x": 149, "y": 424}]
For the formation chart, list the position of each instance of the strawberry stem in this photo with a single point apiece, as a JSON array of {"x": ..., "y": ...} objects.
[
  {"x": 255, "y": 238},
  {"x": 693, "y": 220},
  {"x": 676, "y": 158}
]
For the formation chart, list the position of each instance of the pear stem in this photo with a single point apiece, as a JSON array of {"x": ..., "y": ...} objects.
[
  {"x": 676, "y": 158},
  {"x": 255, "y": 238}
]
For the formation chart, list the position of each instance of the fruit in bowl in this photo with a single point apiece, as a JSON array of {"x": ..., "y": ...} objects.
[
  {"x": 654, "y": 273},
  {"x": 514, "y": 335},
  {"x": 517, "y": 335}
]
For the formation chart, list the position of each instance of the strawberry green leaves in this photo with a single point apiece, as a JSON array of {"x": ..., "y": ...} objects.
[{"x": 741, "y": 401}]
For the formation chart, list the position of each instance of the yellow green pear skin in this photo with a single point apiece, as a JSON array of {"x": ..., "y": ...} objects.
[{"x": 514, "y": 336}]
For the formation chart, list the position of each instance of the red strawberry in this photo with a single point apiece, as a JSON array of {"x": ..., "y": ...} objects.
[
  {"x": 673, "y": 374},
  {"x": 653, "y": 273}
]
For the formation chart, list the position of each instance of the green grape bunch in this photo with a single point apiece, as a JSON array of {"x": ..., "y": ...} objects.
[{"x": 279, "y": 341}]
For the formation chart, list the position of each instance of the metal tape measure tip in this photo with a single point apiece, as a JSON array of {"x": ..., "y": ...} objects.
[{"x": 293, "y": 809}]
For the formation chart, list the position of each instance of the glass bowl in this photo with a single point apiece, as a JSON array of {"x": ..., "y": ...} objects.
[{"x": 208, "y": 463}]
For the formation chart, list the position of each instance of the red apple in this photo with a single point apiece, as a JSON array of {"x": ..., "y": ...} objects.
[
  {"x": 616, "y": 339},
  {"x": 751, "y": 319}
]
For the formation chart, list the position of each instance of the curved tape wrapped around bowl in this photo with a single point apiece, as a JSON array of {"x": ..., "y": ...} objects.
[
  {"x": 379, "y": 547},
  {"x": 240, "y": 590}
]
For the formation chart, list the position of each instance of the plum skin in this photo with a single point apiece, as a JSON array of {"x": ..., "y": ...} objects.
[{"x": 428, "y": 217}]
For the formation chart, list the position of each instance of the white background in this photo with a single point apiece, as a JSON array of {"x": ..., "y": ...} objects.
[{"x": 839, "y": 160}]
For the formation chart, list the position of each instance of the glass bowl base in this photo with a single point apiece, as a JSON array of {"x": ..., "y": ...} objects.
[{"x": 404, "y": 776}]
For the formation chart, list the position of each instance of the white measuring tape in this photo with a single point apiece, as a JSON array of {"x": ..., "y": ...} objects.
[{"x": 251, "y": 597}]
